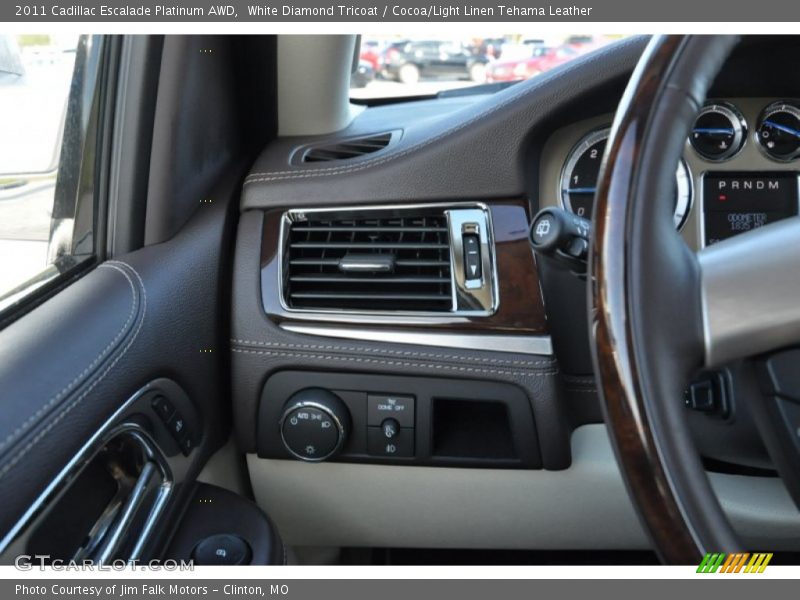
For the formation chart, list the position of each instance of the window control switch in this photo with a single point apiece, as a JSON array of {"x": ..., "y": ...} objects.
[
  {"x": 163, "y": 408},
  {"x": 177, "y": 427}
]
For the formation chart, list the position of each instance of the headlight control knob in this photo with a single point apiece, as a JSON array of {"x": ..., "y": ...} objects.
[{"x": 315, "y": 424}]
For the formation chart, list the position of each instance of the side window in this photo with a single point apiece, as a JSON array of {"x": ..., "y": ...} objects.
[{"x": 48, "y": 97}]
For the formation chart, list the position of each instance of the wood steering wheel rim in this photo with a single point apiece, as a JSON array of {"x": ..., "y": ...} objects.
[{"x": 644, "y": 300}]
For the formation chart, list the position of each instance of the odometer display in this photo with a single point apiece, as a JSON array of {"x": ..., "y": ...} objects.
[
  {"x": 579, "y": 178},
  {"x": 735, "y": 203}
]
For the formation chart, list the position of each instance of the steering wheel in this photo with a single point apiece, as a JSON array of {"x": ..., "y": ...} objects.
[{"x": 659, "y": 311}]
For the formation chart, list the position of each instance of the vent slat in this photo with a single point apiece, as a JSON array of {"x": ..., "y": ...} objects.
[
  {"x": 405, "y": 258},
  {"x": 344, "y": 279},
  {"x": 347, "y": 149},
  {"x": 376, "y": 229},
  {"x": 334, "y": 262},
  {"x": 376, "y": 245},
  {"x": 344, "y": 296}
]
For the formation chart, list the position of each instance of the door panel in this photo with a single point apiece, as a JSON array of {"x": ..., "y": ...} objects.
[{"x": 68, "y": 365}]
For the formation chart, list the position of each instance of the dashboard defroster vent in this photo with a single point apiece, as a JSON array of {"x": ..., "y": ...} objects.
[
  {"x": 388, "y": 262},
  {"x": 346, "y": 149}
]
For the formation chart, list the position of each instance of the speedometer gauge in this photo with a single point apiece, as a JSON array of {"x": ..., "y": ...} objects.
[{"x": 580, "y": 172}]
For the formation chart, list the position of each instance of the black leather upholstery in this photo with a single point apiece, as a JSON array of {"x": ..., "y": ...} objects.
[{"x": 70, "y": 363}]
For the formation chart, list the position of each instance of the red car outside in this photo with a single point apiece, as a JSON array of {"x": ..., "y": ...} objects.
[
  {"x": 540, "y": 60},
  {"x": 371, "y": 52}
]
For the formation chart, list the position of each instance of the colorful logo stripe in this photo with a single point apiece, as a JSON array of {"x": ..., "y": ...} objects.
[{"x": 734, "y": 563}]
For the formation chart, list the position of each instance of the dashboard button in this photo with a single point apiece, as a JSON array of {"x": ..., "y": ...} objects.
[
  {"x": 382, "y": 407},
  {"x": 472, "y": 256},
  {"x": 401, "y": 446},
  {"x": 391, "y": 429},
  {"x": 222, "y": 549}
]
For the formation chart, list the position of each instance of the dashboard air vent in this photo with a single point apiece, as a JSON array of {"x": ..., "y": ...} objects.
[
  {"x": 347, "y": 149},
  {"x": 386, "y": 262}
]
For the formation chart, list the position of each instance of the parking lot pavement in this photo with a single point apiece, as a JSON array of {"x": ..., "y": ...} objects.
[
  {"x": 25, "y": 211},
  {"x": 19, "y": 261},
  {"x": 24, "y": 232}
]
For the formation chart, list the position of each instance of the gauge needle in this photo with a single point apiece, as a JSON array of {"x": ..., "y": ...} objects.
[
  {"x": 713, "y": 130},
  {"x": 783, "y": 128},
  {"x": 585, "y": 190}
]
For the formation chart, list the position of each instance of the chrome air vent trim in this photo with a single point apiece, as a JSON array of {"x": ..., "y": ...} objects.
[{"x": 468, "y": 298}]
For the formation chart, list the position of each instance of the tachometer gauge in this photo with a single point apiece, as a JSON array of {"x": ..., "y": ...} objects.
[
  {"x": 719, "y": 132},
  {"x": 579, "y": 178},
  {"x": 778, "y": 132}
]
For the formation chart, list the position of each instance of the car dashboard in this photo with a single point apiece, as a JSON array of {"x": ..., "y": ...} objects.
[{"x": 407, "y": 373}]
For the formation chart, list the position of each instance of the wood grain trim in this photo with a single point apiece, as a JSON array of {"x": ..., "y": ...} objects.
[
  {"x": 627, "y": 416},
  {"x": 521, "y": 308}
]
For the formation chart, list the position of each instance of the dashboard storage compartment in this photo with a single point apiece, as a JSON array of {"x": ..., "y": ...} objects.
[{"x": 477, "y": 429}]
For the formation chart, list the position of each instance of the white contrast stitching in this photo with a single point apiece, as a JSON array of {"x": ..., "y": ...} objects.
[
  {"x": 282, "y": 175},
  {"x": 498, "y": 361},
  {"x": 112, "y": 264},
  {"x": 389, "y": 362},
  {"x": 34, "y": 417}
]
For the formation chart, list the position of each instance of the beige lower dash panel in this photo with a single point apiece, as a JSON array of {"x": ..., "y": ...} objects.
[{"x": 336, "y": 504}]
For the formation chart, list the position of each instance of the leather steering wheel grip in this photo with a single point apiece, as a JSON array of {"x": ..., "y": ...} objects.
[{"x": 645, "y": 300}]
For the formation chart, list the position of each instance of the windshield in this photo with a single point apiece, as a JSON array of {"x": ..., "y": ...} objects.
[{"x": 393, "y": 66}]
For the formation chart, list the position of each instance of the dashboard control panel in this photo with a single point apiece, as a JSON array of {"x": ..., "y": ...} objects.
[{"x": 352, "y": 417}]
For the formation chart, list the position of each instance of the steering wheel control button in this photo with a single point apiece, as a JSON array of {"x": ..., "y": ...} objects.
[
  {"x": 314, "y": 424},
  {"x": 701, "y": 396},
  {"x": 401, "y": 446},
  {"x": 382, "y": 407},
  {"x": 708, "y": 395},
  {"x": 222, "y": 549},
  {"x": 719, "y": 132},
  {"x": 472, "y": 256}
]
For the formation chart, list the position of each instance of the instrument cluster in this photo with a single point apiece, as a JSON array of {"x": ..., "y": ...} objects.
[{"x": 745, "y": 174}]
